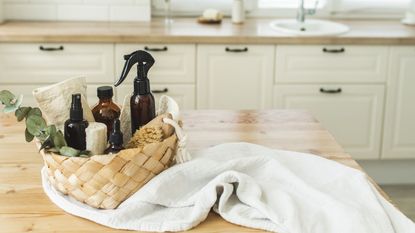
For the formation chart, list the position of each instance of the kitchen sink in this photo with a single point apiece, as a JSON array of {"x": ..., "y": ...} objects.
[{"x": 310, "y": 27}]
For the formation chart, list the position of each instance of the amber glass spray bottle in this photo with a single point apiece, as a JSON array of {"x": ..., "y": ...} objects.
[{"x": 142, "y": 102}]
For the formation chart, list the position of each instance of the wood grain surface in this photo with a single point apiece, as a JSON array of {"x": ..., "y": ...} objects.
[
  {"x": 187, "y": 30},
  {"x": 25, "y": 208}
]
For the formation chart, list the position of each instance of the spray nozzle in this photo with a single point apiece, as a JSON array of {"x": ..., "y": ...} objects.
[
  {"x": 76, "y": 112},
  {"x": 144, "y": 62}
]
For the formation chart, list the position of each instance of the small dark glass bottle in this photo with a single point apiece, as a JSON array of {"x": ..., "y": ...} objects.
[
  {"x": 106, "y": 111},
  {"x": 75, "y": 126},
  {"x": 116, "y": 139}
]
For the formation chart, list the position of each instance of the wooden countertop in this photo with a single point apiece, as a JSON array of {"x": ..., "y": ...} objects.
[
  {"x": 24, "y": 207},
  {"x": 187, "y": 30}
]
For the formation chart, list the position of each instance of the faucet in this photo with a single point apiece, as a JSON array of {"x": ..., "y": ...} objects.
[{"x": 302, "y": 12}]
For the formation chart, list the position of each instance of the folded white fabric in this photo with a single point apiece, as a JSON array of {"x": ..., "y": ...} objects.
[{"x": 252, "y": 186}]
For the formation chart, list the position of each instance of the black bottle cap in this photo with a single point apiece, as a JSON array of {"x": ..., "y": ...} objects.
[
  {"x": 116, "y": 137},
  {"x": 105, "y": 92},
  {"x": 76, "y": 112}
]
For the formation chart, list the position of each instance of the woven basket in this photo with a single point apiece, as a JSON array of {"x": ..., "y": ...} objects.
[{"x": 105, "y": 181}]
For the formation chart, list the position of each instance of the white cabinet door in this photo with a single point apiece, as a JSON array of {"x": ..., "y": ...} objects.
[
  {"x": 184, "y": 95},
  {"x": 175, "y": 63},
  {"x": 234, "y": 76},
  {"x": 352, "y": 113},
  {"x": 52, "y": 63},
  {"x": 331, "y": 64},
  {"x": 399, "y": 134}
]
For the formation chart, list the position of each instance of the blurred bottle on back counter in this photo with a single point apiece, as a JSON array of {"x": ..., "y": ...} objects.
[
  {"x": 106, "y": 111},
  {"x": 238, "y": 12}
]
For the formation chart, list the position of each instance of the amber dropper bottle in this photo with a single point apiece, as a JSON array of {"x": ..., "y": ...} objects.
[
  {"x": 116, "y": 139},
  {"x": 75, "y": 126},
  {"x": 106, "y": 111}
]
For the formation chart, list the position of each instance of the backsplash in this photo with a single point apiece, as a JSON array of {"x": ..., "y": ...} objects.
[{"x": 78, "y": 10}]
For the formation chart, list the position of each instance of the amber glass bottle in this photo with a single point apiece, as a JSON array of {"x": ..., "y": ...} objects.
[{"x": 106, "y": 111}]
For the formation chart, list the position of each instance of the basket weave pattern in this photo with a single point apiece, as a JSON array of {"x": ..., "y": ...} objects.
[{"x": 104, "y": 181}]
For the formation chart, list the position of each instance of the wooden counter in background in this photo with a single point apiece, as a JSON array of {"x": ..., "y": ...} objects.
[
  {"x": 187, "y": 30},
  {"x": 24, "y": 207}
]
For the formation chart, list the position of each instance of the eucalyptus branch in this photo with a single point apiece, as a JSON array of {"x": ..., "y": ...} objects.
[{"x": 50, "y": 138}]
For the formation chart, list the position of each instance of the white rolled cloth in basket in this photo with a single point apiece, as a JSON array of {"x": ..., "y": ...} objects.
[{"x": 252, "y": 186}]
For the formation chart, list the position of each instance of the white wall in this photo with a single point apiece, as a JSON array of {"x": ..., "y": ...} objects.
[{"x": 78, "y": 10}]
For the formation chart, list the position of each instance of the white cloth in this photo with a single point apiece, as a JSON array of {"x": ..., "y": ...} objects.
[{"x": 253, "y": 186}]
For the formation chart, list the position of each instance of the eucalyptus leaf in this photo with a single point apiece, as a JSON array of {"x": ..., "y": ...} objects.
[
  {"x": 59, "y": 140},
  {"x": 42, "y": 137},
  {"x": 17, "y": 102},
  {"x": 29, "y": 137},
  {"x": 69, "y": 151},
  {"x": 35, "y": 111},
  {"x": 35, "y": 125},
  {"x": 22, "y": 112},
  {"x": 10, "y": 108},
  {"x": 51, "y": 130},
  {"x": 6, "y": 97}
]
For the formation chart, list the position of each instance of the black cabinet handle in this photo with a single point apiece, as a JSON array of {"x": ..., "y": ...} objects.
[
  {"x": 165, "y": 90},
  {"x": 164, "y": 49},
  {"x": 236, "y": 50},
  {"x": 51, "y": 49},
  {"x": 331, "y": 91},
  {"x": 341, "y": 50}
]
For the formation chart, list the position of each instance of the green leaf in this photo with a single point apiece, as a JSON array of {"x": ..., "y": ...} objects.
[
  {"x": 29, "y": 137},
  {"x": 42, "y": 137},
  {"x": 13, "y": 104},
  {"x": 51, "y": 130},
  {"x": 9, "y": 109},
  {"x": 22, "y": 112},
  {"x": 59, "y": 140},
  {"x": 6, "y": 97},
  {"x": 35, "y": 111},
  {"x": 17, "y": 102},
  {"x": 69, "y": 151},
  {"x": 35, "y": 125}
]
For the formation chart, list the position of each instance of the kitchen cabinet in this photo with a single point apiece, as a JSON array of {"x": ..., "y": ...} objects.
[
  {"x": 331, "y": 64},
  {"x": 182, "y": 93},
  {"x": 175, "y": 63},
  {"x": 352, "y": 113},
  {"x": 234, "y": 76},
  {"x": 399, "y": 131},
  {"x": 50, "y": 63}
]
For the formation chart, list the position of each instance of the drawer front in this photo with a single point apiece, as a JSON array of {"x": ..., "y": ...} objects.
[
  {"x": 352, "y": 113},
  {"x": 234, "y": 76},
  {"x": 29, "y": 100},
  {"x": 331, "y": 64},
  {"x": 184, "y": 95},
  {"x": 51, "y": 63},
  {"x": 174, "y": 63}
]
